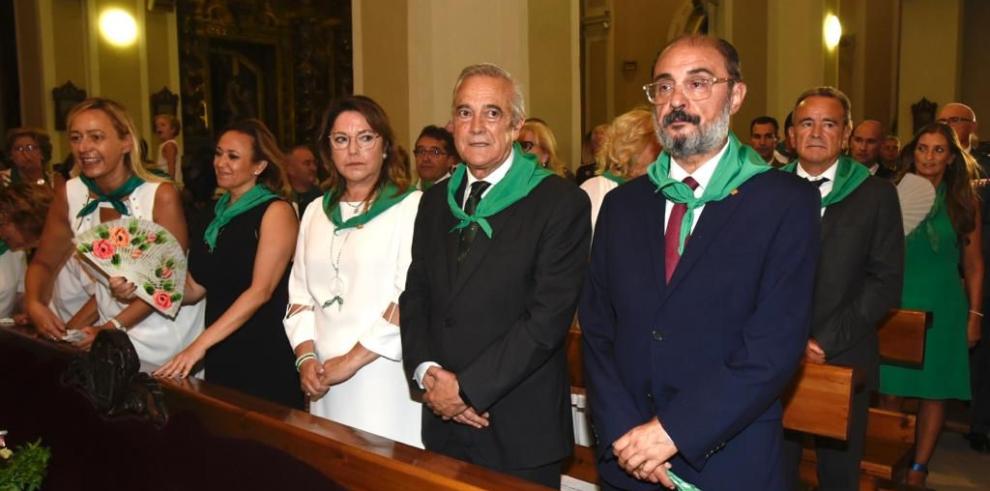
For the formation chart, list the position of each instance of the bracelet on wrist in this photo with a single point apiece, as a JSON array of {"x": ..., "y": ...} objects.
[
  {"x": 116, "y": 324},
  {"x": 976, "y": 313},
  {"x": 302, "y": 359}
]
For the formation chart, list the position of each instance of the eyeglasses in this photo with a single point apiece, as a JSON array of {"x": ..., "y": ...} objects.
[
  {"x": 955, "y": 120},
  {"x": 364, "y": 139},
  {"x": 695, "y": 88},
  {"x": 527, "y": 145},
  {"x": 431, "y": 152},
  {"x": 26, "y": 148}
]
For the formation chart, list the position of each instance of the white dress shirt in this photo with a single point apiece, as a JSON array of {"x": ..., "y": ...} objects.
[
  {"x": 829, "y": 173},
  {"x": 497, "y": 175},
  {"x": 703, "y": 174}
]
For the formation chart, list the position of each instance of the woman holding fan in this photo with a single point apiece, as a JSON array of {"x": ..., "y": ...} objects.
[
  {"x": 112, "y": 184},
  {"x": 350, "y": 267}
]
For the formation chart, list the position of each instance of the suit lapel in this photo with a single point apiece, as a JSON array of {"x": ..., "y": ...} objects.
[
  {"x": 654, "y": 218},
  {"x": 451, "y": 239},
  {"x": 714, "y": 216}
]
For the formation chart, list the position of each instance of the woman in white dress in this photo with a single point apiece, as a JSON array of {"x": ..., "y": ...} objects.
[
  {"x": 629, "y": 147},
  {"x": 350, "y": 267},
  {"x": 23, "y": 207},
  {"x": 111, "y": 184},
  {"x": 169, "y": 158}
]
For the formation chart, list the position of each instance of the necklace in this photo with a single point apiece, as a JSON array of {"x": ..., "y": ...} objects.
[
  {"x": 337, "y": 284},
  {"x": 354, "y": 207}
]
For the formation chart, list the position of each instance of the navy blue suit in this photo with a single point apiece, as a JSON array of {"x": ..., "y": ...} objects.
[{"x": 708, "y": 354}]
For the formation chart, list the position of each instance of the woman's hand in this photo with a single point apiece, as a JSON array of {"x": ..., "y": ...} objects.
[
  {"x": 45, "y": 321},
  {"x": 973, "y": 329},
  {"x": 337, "y": 370},
  {"x": 89, "y": 335},
  {"x": 122, "y": 289},
  {"x": 311, "y": 379},
  {"x": 181, "y": 364}
]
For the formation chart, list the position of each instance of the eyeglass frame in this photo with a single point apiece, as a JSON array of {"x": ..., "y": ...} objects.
[
  {"x": 30, "y": 147},
  {"x": 344, "y": 146},
  {"x": 712, "y": 81},
  {"x": 434, "y": 152},
  {"x": 954, "y": 120}
]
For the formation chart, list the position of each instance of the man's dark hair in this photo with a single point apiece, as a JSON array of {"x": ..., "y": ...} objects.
[
  {"x": 764, "y": 120},
  {"x": 724, "y": 48},
  {"x": 438, "y": 133}
]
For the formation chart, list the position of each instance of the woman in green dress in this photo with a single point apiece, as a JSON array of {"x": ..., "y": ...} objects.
[{"x": 947, "y": 238}]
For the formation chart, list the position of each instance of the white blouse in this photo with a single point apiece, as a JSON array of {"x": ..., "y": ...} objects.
[{"x": 366, "y": 268}]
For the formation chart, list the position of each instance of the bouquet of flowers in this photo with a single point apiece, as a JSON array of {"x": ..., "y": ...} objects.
[
  {"x": 144, "y": 253},
  {"x": 24, "y": 469}
]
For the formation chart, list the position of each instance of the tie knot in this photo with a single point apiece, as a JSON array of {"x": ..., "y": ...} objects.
[
  {"x": 817, "y": 183},
  {"x": 691, "y": 183},
  {"x": 479, "y": 187}
]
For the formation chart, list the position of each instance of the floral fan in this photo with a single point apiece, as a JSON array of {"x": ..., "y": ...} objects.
[
  {"x": 917, "y": 195},
  {"x": 143, "y": 252}
]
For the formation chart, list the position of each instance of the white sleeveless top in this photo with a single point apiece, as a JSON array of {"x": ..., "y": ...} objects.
[
  {"x": 163, "y": 164},
  {"x": 157, "y": 338}
]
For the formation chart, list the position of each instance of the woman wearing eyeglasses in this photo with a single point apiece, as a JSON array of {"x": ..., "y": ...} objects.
[
  {"x": 29, "y": 151},
  {"x": 537, "y": 138},
  {"x": 350, "y": 267},
  {"x": 628, "y": 148}
]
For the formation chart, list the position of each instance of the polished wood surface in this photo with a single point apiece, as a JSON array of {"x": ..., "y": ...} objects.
[
  {"x": 216, "y": 438},
  {"x": 819, "y": 400},
  {"x": 902, "y": 337}
]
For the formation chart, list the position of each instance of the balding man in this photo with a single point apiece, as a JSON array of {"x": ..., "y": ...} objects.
[
  {"x": 864, "y": 146},
  {"x": 962, "y": 119}
]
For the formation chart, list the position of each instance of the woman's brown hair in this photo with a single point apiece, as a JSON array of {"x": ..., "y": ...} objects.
[
  {"x": 26, "y": 206},
  {"x": 264, "y": 148},
  {"x": 395, "y": 170}
]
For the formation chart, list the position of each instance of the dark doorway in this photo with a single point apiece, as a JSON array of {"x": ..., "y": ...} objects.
[{"x": 10, "y": 91}]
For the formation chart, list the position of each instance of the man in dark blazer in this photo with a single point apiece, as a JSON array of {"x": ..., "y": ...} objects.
[
  {"x": 686, "y": 353},
  {"x": 860, "y": 271},
  {"x": 484, "y": 321}
]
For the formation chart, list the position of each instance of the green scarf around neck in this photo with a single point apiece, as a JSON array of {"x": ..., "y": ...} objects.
[
  {"x": 523, "y": 176},
  {"x": 388, "y": 196},
  {"x": 3, "y": 247},
  {"x": 225, "y": 212},
  {"x": 115, "y": 197},
  {"x": 848, "y": 176},
  {"x": 737, "y": 165},
  {"x": 613, "y": 177}
]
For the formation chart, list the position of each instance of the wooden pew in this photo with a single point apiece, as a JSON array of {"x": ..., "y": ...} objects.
[
  {"x": 902, "y": 336},
  {"x": 215, "y": 438}
]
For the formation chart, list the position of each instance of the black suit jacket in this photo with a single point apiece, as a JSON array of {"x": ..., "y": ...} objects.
[
  {"x": 500, "y": 319},
  {"x": 860, "y": 274}
]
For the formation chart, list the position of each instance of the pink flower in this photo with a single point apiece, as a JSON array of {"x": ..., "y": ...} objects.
[
  {"x": 162, "y": 300},
  {"x": 103, "y": 249},
  {"x": 120, "y": 237},
  {"x": 166, "y": 272},
  {"x": 136, "y": 253},
  {"x": 152, "y": 237}
]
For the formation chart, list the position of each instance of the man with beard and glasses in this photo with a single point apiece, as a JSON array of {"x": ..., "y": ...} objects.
[{"x": 680, "y": 390}]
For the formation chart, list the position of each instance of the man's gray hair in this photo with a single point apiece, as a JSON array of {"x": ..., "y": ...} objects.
[
  {"x": 492, "y": 70},
  {"x": 832, "y": 93}
]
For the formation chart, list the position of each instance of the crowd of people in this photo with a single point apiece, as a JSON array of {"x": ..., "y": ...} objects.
[{"x": 429, "y": 303}]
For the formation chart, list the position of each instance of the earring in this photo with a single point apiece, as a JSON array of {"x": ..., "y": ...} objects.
[{"x": 384, "y": 155}]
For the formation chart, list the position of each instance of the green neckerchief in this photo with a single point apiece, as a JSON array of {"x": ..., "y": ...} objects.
[
  {"x": 524, "y": 175},
  {"x": 388, "y": 196},
  {"x": 928, "y": 224},
  {"x": 115, "y": 197},
  {"x": 3, "y": 247},
  {"x": 848, "y": 176},
  {"x": 614, "y": 178},
  {"x": 259, "y": 194},
  {"x": 737, "y": 165},
  {"x": 425, "y": 184}
]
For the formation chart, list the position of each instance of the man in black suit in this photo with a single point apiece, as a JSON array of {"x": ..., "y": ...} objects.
[
  {"x": 484, "y": 321},
  {"x": 860, "y": 270}
]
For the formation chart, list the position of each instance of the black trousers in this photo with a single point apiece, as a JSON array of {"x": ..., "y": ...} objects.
[
  {"x": 462, "y": 446},
  {"x": 838, "y": 461},
  {"x": 979, "y": 377}
]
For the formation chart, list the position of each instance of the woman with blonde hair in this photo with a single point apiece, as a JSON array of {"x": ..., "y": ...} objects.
[
  {"x": 169, "y": 154},
  {"x": 112, "y": 183},
  {"x": 628, "y": 148},
  {"x": 354, "y": 248},
  {"x": 536, "y": 138}
]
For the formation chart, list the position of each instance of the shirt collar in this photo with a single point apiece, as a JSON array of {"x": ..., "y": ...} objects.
[
  {"x": 703, "y": 174},
  {"x": 496, "y": 175},
  {"x": 829, "y": 173}
]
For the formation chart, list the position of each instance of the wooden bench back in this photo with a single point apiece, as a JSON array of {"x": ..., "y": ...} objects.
[{"x": 902, "y": 336}]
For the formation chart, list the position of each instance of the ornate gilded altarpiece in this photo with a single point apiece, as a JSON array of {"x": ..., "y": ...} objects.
[{"x": 278, "y": 61}]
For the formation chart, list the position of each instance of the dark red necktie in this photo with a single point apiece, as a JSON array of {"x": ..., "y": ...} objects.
[{"x": 672, "y": 238}]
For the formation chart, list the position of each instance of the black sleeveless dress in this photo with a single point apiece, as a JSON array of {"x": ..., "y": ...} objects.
[{"x": 257, "y": 358}]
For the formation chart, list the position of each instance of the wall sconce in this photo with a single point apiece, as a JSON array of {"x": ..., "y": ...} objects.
[
  {"x": 118, "y": 27},
  {"x": 833, "y": 31}
]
